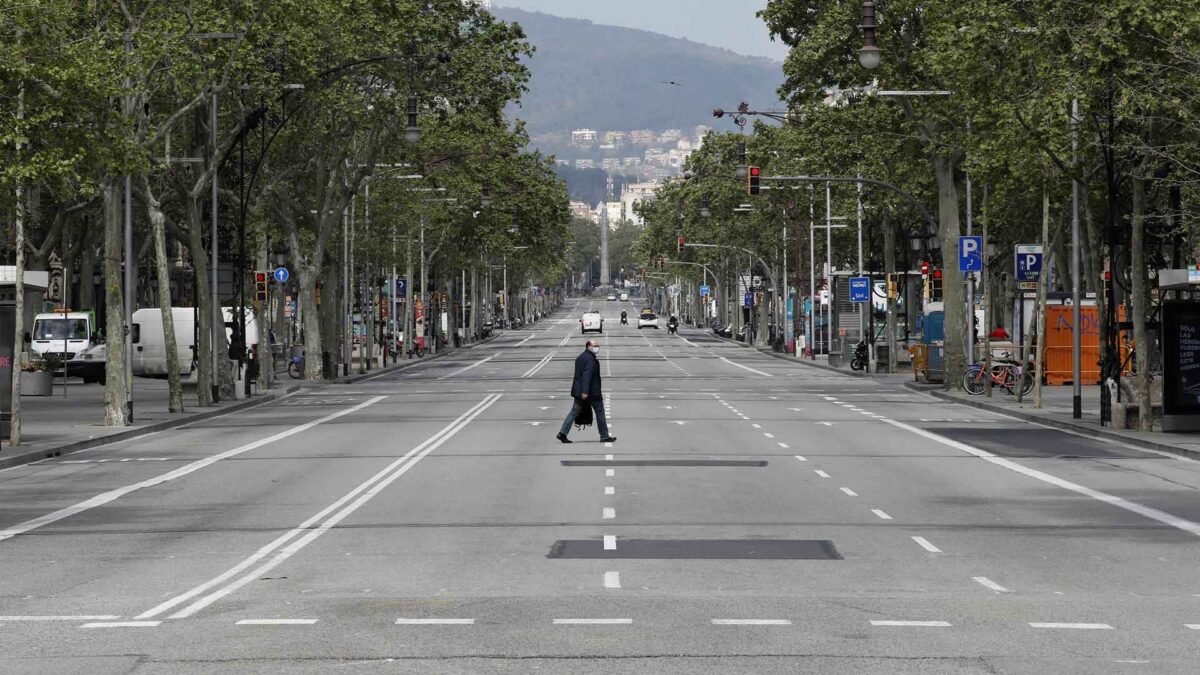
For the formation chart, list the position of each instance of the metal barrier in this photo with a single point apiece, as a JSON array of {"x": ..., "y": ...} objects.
[{"x": 929, "y": 364}]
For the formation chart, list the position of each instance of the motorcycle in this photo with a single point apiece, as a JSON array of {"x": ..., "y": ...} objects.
[
  {"x": 624, "y": 319},
  {"x": 672, "y": 326},
  {"x": 861, "y": 357}
]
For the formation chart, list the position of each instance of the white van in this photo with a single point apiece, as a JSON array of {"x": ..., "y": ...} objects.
[
  {"x": 149, "y": 342},
  {"x": 63, "y": 333}
]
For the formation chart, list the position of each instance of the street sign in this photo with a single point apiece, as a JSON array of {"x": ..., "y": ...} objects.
[
  {"x": 705, "y": 291},
  {"x": 1029, "y": 262},
  {"x": 860, "y": 289},
  {"x": 748, "y": 300},
  {"x": 824, "y": 292},
  {"x": 401, "y": 287},
  {"x": 970, "y": 254},
  {"x": 281, "y": 274}
]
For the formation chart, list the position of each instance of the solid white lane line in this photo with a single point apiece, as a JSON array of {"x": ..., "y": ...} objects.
[
  {"x": 989, "y": 584},
  {"x": 801, "y": 458},
  {"x": 608, "y": 513},
  {"x": 1079, "y": 626},
  {"x": 68, "y": 617},
  {"x": 848, "y": 491},
  {"x": 881, "y": 514},
  {"x": 435, "y": 622},
  {"x": 612, "y": 579},
  {"x": 757, "y": 372},
  {"x": 610, "y": 542},
  {"x": 539, "y": 365},
  {"x": 610, "y": 473},
  {"x": 316, "y": 525},
  {"x": 276, "y": 622},
  {"x": 924, "y": 543},
  {"x": 473, "y": 365},
  {"x": 925, "y": 624},
  {"x": 113, "y": 495},
  {"x": 1188, "y": 526},
  {"x": 751, "y": 622},
  {"x": 523, "y": 341},
  {"x": 121, "y": 624},
  {"x": 610, "y": 490},
  {"x": 593, "y": 622},
  {"x": 821, "y": 473}
]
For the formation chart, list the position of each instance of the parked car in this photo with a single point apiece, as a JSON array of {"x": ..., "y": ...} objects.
[{"x": 591, "y": 322}]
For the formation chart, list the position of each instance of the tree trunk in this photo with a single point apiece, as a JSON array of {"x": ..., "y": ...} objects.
[
  {"x": 311, "y": 321},
  {"x": 116, "y": 387},
  {"x": 1043, "y": 289},
  {"x": 1140, "y": 303},
  {"x": 203, "y": 300},
  {"x": 163, "y": 274},
  {"x": 889, "y": 267},
  {"x": 266, "y": 323},
  {"x": 956, "y": 320},
  {"x": 331, "y": 315},
  {"x": 19, "y": 317}
]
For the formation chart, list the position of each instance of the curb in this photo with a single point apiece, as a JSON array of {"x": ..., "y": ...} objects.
[
  {"x": 75, "y": 446},
  {"x": 1082, "y": 429},
  {"x": 380, "y": 372}
]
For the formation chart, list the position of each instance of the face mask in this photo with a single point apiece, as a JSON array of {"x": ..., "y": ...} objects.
[{"x": 595, "y": 350}]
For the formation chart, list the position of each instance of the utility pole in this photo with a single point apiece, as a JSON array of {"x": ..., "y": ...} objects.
[
  {"x": 604, "y": 275},
  {"x": 1076, "y": 299}
]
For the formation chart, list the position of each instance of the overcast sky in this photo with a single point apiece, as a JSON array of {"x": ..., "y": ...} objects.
[{"x": 731, "y": 24}]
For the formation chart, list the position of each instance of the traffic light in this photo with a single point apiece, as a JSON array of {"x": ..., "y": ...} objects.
[
  {"x": 935, "y": 285},
  {"x": 892, "y": 293},
  {"x": 679, "y": 244},
  {"x": 260, "y": 287},
  {"x": 753, "y": 178}
]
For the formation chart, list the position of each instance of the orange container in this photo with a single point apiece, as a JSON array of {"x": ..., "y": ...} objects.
[{"x": 1058, "y": 345}]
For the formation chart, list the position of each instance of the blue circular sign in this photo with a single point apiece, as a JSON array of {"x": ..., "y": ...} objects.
[{"x": 281, "y": 274}]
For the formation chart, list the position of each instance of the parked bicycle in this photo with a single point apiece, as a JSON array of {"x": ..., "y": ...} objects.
[
  {"x": 296, "y": 366},
  {"x": 1006, "y": 375}
]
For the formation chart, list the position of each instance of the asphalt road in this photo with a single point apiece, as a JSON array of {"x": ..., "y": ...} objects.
[{"x": 754, "y": 516}]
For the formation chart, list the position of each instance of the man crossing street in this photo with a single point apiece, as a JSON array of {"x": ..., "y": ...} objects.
[{"x": 585, "y": 391}]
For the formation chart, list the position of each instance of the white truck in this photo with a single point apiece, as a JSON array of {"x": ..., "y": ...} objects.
[{"x": 64, "y": 333}]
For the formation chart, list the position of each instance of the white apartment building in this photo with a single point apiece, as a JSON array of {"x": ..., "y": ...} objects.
[
  {"x": 642, "y": 137},
  {"x": 616, "y": 138},
  {"x": 634, "y": 193},
  {"x": 611, "y": 164},
  {"x": 581, "y": 210},
  {"x": 585, "y": 164},
  {"x": 670, "y": 136},
  {"x": 583, "y": 137}
]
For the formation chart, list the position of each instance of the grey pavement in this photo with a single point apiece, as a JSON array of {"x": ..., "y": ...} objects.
[{"x": 754, "y": 515}]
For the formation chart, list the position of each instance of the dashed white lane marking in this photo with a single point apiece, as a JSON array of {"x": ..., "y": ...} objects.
[
  {"x": 800, "y": 457},
  {"x": 848, "y": 491},
  {"x": 989, "y": 584},
  {"x": 608, "y": 458},
  {"x": 121, "y": 624},
  {"x": 81, "y": 617},
  {"x": 1188, "y": 526},
  {"x": 460, "y": 371},
  {"x": 523, "y": 341},
  {"x": 612, "y": 579},
  {"x": 821, "y": 473},
  {"x": 751, "y": 622},
  {"x": 785, "y": 446},
  {"x": 922, "y": 624},
  {"x": 768, "y": 435},
  {"x": 276, "y": 622},
  {"x": 537, "y": 367},
  {"x": 924, "y": 543},
  {"x": 828, "y": 424},
  {"x": 113, "y": 495},
  {"x": 1078, "y": 626},
  {"x": 593, "y": 622},
  {"x": 1192, "y": 626},
  {"x": 881, "y": 514},
  {"x": 610, "y": 490},
  {"x": 738, "y": 365},
  {"x": 608, "y": 513},
  {"x": 610, "y": 473},
  {"x": 756, "y": 426},
  {"x": 435, "y": 622},
  {"x": 610, "y": 542}
]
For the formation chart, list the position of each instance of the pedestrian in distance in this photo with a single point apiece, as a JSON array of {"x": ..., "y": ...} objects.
[{"x": 586, "y": 392}]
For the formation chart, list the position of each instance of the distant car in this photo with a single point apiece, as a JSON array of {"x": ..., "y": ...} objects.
[
  {"x": 647, "y": 320},
  {"x": 591, "y": 322},
  {"x": 612, "y": 297},
  {"x": 624, "y": 297},
  {"x": 89, "y": 364}
]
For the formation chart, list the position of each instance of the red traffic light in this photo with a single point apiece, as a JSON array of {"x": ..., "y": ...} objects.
[
  {"x": 937, "y": 274},
  {"x": 260, "y": 277},
  {"x": 924, "y": 267},
  {"x": 755, "y": 171}
]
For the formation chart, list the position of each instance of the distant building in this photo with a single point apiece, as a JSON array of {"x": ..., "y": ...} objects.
[
  {"x": 631, "y": 162},
  {"x": 585, "y": 164},
  {"x": 616, "y": 138},
  {"x": 670, "y": 136},
  {"x": 611, "y": 163},
  {"x": 655, "y": 156},
  {"x": 486, "y": 4},
  {"x": 562, "y": 162},
  {"x": 581, "y": 210},
  {"x": 642, "y": 137},
  {"x": 700, "y": 131},
  {"x": 634, "y": 193},
  {"x": 684, "y": 144},
  {"x": 583, "y": 137},
  {"x": 616, "y": 214}
]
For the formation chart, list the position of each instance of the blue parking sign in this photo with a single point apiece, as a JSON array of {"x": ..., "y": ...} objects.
[
  {"x": 970, "y": 254},
  {"x": 860, "y": 289}
]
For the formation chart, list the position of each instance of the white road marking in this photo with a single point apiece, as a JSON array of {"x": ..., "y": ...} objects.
[
  {"x": 1188, "y": 526},
  {"x": 924, "y": 543},
  {"x": 801, "y": 458},
  {"x": 523, "y": 341},
  {"x": 828, "y": 424},
  {"x": 784, "y": 446},
  {"x": 821, "y": 473},
  {"x": 881, "y": 514},
  {"x": 1079, "y": 626},
  {"x": 68, "y": 617},
  {"x": 751, "y": 622},
  {"x": 612, "y": 579},
  {"x": 925, "y": 624},
  {"x": 608, "y": 458},
  {"x": 473, "y": 365},
  {"x": 280, "y": 549},
  {"x": 435, "y": 622},
  {"x": 609, "y": 473},
  {"x": 757, "y": 372},
  {"x": 679, "y": 422},
  {"x": 768, "y": 435},
  {"x": 276, "y": 622},
  {"x": 610, "y": 490},
  {"x": 593, "y": 622},
  {"x": 608, "y": 513},
  {"x": 1193, "y": 626},
  {"x": 610, "y": 542},
  {"x": 537, "y": 367},
  {"x": 989, "y": 584},
  {"x": 113, "y": 495},
  {"x": 796, "y": 409},
  {"x": 848, "y": 491},
  {"x": 121, "y": 624}
]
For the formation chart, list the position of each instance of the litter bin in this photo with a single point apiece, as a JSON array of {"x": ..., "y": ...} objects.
[{"x": 882, "y": 352}]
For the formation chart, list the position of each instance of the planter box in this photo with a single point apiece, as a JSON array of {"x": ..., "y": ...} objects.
[{"x": 38, "y": 383}]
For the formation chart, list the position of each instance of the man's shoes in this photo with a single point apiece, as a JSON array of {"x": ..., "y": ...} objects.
[
  {"x": 563, "y": 438},
  {"x": 608, "y": 439}
]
